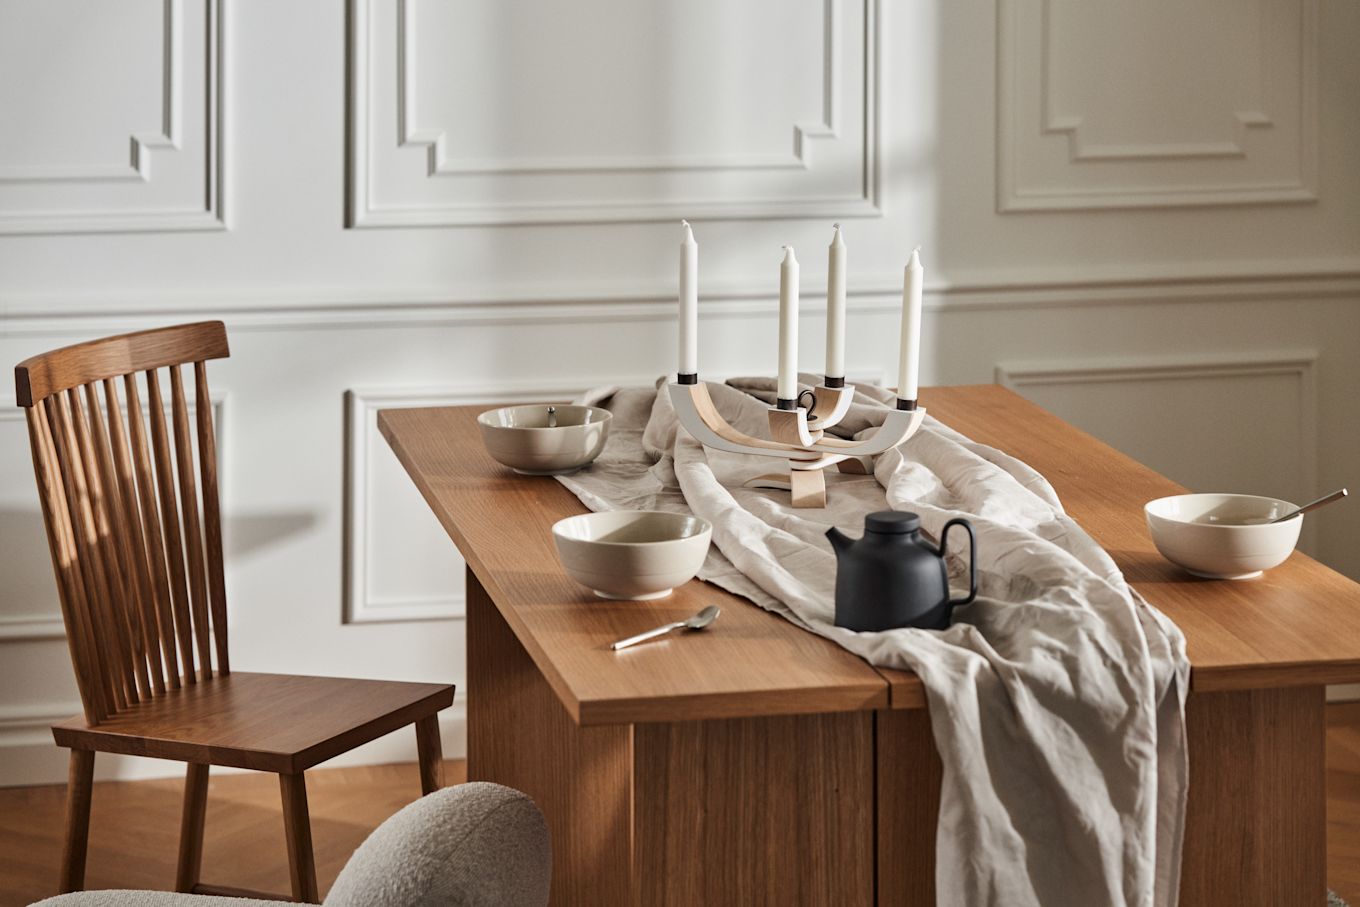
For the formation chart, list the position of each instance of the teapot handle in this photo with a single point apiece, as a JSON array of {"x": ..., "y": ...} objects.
[{"x": 972, "y": 557}]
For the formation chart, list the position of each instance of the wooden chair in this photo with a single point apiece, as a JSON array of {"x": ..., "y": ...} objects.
[{"x": 136, "y": 540}]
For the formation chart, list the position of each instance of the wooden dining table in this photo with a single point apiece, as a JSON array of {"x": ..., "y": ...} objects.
[{"x": 757, "y": 763}]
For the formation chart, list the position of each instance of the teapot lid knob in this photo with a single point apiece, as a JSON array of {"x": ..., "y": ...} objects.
[{"x": 892, "y": 521}]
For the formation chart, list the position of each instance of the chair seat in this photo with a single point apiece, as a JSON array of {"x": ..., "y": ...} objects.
[{"x": 270, "y": 722}]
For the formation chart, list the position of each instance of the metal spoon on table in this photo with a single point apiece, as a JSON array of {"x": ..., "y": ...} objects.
[
  {"x": 1313, "y": 505},
  {"x": 697, "y": 622}
]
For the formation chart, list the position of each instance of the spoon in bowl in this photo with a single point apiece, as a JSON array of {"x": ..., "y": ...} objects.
[
  {"x": 1312, "y": 505},
  {"x": 697, "y": 622}
]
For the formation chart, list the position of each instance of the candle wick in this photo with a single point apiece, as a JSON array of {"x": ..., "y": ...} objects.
[{"x": 837, "y": 226}]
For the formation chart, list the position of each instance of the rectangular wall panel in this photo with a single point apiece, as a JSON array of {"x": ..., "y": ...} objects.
[
  {"x": 540, "y": 112},
  {"x": 399, "y": 562},
  {"x": 112, "y": 116},
  {"x": 1245, "y": 424},
  {"x": 1155, "y": 104}
]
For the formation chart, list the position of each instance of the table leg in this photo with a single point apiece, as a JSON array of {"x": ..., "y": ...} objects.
[
  {"x": 769, "y": 810},
  {"x": 775, "y": 810},
  {"x": 1256, "y": 826},
  {"x": 520, "y": 735},
  {"x": 909, "y": 774}
]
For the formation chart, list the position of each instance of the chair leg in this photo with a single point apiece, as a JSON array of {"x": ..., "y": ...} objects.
[
  {"x": 430, "y": 754},
  {"x": 191, "y": 827},
  {"x": 79, "y": 788},
  {"x": 297, "y": 828}
]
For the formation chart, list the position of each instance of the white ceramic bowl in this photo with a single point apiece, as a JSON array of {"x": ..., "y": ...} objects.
[
  {"x": 520, "y": 437},
  {"x": 632, "y": 554},
  {"x": 1222, "y": 536}
]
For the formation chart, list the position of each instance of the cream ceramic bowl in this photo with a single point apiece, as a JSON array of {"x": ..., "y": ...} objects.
[
  {"x": 520, "y": 437},
  {"x": 1222, "y": 536},
  {"x": 632, "y": 554}
]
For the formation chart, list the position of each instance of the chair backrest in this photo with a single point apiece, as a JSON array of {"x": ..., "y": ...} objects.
[{"x": 138, "y": 560}]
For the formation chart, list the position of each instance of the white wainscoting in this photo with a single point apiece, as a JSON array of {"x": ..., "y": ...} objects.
[
  {"x": 1233, "y": 122},
  {"x": 525, "y": 156},
  {"x": 454, "y": 137},
  {"x": 136, "y": 142}
]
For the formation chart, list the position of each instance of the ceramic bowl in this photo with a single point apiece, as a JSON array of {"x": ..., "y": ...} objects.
[
  {"x": 632, "y": 554},
  {"x": 1222, "y": 536},
  {"x": 521, "y": 438}
]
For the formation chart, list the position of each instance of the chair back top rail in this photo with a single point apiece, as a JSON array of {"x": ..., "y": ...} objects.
[
  {"x": 129, "y": 499},
  {"x": 110, "y": 357}
]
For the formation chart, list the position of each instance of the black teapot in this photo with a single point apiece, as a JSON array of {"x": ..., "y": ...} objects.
[{"x": 891, "y": 577}]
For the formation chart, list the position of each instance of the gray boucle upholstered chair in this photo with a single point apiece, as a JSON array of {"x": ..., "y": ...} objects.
[{"x": 474, "y": 845}]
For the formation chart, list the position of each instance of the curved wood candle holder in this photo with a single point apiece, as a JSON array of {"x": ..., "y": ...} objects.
[{"x": 796, "y": 437}]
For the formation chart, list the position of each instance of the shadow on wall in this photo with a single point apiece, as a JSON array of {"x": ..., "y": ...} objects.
[{"x": 246, "y": 533}]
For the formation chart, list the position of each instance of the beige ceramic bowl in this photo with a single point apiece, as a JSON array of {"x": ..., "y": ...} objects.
[
  {"x": 632, "y": 554},
  {"x": 521, "y": 438},
  {"x": 1222, "y": 536}
]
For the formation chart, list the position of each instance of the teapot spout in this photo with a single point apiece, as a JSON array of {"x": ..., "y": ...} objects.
[{"x": 839, "y": 540}]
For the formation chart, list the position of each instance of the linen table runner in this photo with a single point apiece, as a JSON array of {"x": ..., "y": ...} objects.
[{"x": 1056, "y": 699}]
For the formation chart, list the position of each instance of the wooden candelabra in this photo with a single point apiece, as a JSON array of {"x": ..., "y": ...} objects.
[{"x": 797, "y": 435}]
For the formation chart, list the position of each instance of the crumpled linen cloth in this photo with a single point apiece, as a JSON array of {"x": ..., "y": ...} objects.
[{"x": 1057, "y": 699}]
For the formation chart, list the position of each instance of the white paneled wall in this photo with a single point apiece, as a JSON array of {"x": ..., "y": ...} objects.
[{"x": 1144, "y": 216}]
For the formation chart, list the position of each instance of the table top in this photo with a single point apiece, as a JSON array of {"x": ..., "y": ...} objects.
[{"x": 1297, "y": 625}]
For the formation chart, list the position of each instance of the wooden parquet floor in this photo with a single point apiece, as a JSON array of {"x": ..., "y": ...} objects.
[{"x": 135, "y": 824}]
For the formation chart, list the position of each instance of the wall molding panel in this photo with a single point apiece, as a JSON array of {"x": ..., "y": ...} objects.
[
  {"x": 173, "y": 177},
  {"x": 25, "y": 625},
  {"x": 141, "y": 145},
  {"x": 1266, "y": 147},
  {"x": 429, "y": 185},
  {"x": 29, "y": 725},
  {"x": 440, "y": 164},
  {"x": 1297, "y": 366},
  {"x": 31, "y": 626},
  {"x": 1147, "y": 368},
  {"x": 362, "y": 602}
]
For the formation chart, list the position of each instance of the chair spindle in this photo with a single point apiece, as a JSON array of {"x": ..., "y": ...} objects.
[
  {"x": 193, "y": 535},
  {"x": 212, "y": 514},
  {"x": 151, "y": 530},
  {"x": 135, "y": 542},
  {"x": 170, "y": 525}
]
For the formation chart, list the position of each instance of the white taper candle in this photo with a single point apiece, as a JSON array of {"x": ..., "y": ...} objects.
[
  {"x": 788, "y": 327},
  {"x": 835, "y": 307},
  {"x": 909, "y": 356},
  {"x": 689, "y": 303}
]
